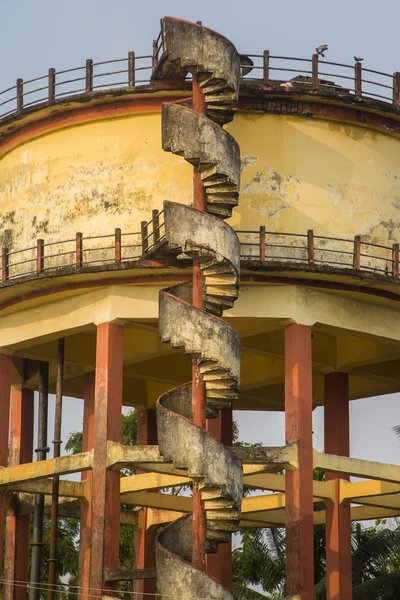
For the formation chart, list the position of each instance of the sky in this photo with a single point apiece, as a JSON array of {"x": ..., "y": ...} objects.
[{"x": 63, "y": 34}]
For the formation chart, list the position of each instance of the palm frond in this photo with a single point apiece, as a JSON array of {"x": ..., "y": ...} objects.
[
  {"x": 242, "y": 592},
  {"x": 320, "y": 589},
  {"x": 386, "y": 587},
  {"x": 373, "y": 550}
]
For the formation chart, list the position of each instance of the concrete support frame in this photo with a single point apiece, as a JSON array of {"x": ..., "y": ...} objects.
[
  {"x": 106, "y": 483},
  {"x": 5, "y": 392},
  {"x": 86, "y": 509},
  {"x": 219, "y": 565},
  {"x": 145, "y": 552},
  {"x": 17, "y": 526},
  {"x": 299, "y": 483},
  {"x": 338, "y": 521}
]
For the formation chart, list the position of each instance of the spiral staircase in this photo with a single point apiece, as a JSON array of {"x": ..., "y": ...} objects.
[{"x": 215, "y": 346}]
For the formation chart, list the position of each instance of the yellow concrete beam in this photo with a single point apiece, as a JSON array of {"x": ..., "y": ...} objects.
[
  {"x": 275, "y": 457},
  {"x": 324, "y": 490},
  {"x": 156, "y": 518},
  {"x": 356, "y": 467},
  {"x": 365, "y": 489},
  {"x": 257, "y": 371},
  {"x": 150, "y": 459},
  {"x": 46, "y": 468},
  {"x": 361, "y": 513},
  {"x": 391, "y": 501},
  {"x": 159, "y": 501},
  {"x": 271, "y": 345},
  {"x": 151, "y": 481},
  {"x": 355, "y": 351},
  {"x": 256, "y": 469},
  {"x": 265, "y": 481},
  {"x": 257, "y": 504},
  {"x": 72, "y": 489},
  {"x": 120, "y": 456}
]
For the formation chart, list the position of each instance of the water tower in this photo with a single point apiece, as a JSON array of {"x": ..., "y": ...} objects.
[{"x": 191, "y": 232}]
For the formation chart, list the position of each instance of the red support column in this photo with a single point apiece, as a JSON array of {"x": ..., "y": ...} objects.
[
  {"x": 86, "y": 509},
  {"x": 299, "y": 483},
  {"x": 17, "y": 526},
  {"x": 145, "y": 540},
  {"x": 338, "y": 522},
  {"x": 198, "y": 386},
  {"x": 106, "y": 483},
  {"x": 5, "y": 391},
  {"x": 219, "y": 565}
]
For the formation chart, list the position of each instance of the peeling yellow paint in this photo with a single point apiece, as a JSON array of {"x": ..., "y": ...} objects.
[{"x": 297, "y": 174}]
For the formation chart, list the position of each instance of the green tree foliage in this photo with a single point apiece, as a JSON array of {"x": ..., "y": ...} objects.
[{"x": 67, "y": 550}]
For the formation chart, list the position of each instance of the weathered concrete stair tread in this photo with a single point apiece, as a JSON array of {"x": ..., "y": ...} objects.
[
  {"x": 177, "y": 573},
  {"x": 208, "y": 147},
  {"x": 213, "y": 243},
  {"x": 191, "y": 48}
]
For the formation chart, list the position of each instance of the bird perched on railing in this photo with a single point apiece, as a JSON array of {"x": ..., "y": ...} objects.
[
  {"x": 358, "y": 59},
  {"x": 321, "y": 49},
  {"x": 287, "y": 85}
]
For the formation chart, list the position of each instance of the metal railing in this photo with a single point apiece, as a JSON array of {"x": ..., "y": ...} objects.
[
  {"x": 323, "y": 75},
  {"x": 269, "y": 247},
  {"x": 319, "y": 250},
  {"x": 126, "y": 73},
  {"x": 78, "y": 252}
]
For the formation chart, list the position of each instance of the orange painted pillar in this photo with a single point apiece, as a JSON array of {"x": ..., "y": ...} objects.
[
  {"x": 5, "y": 392},
  {"x": 86, "y": 509},
  {"x": 104, "y": 552},
  {"x": 145, "y": 540},
  {"x": 299, "y": 483},
  {"x": 17, "y": 526},
  {"x": 338, "y": 522},
  {"x": 219, "y": 565}
]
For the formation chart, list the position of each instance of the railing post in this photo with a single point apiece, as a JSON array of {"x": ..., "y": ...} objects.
[
  {"x": 20, "y": 95},
  {"x": 395, "y": 260},
  {"x": 358, "y": 79},
  {"x": 266, "y": 68},
  {"x": 117, "y": 245},
  {"x": 156, "y": 226},
  {"x": 89, "y": 75},
  {"x": 314, "y": 71},
  {"x": 357, "y": 252},
  {"x": 145, "y": 240},
  {"x": 78, "y": 251},
  {"x": 4, "y": 264},
  {"x": 396, "y": 88},
  {"x": 262, "y": 242},
  {"x": 310, "y": 245},
  {"x": 52, "y": 86},
  {"x": 40, "y": 256},
  {"x": 131, "y": 69},
  {"x": 154, "y": 62}
]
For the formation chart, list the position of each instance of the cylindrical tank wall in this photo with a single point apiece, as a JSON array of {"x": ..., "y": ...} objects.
[{"x": 298, "y": 174}]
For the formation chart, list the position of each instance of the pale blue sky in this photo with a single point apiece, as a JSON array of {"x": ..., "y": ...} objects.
[{"x": 36, "y": 35}]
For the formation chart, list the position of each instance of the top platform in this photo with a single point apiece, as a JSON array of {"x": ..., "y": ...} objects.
[{"x": 287, "y": 76}]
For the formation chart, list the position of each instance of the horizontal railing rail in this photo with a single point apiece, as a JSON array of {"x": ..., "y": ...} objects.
[
  {"x": 323, "y": 75},
  {"x": 314, "y": 74},
  {"x": 127, "y": 72},
  {"x": 269, "y": 247},
  {"x": 356, "y": 254}
]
